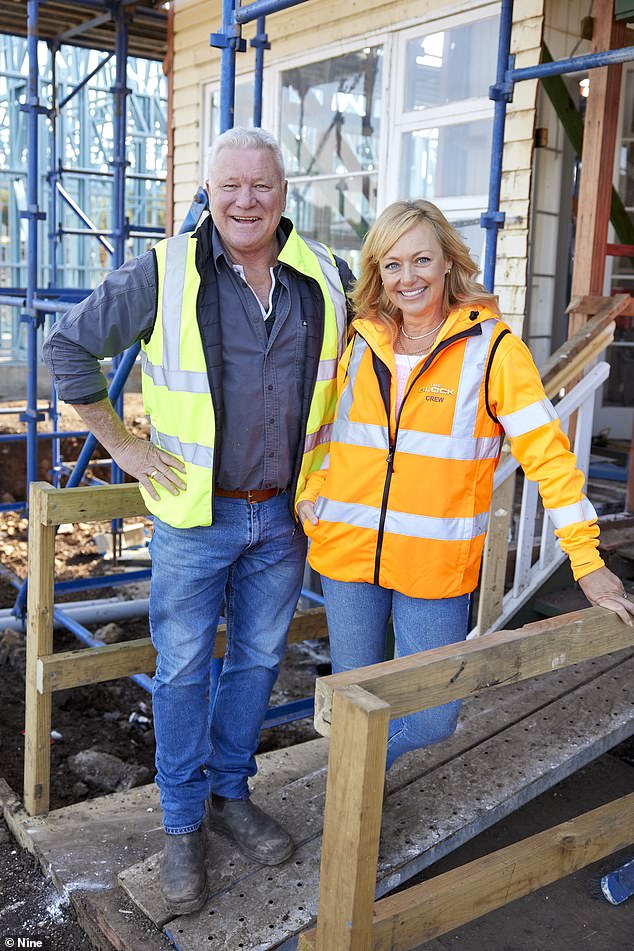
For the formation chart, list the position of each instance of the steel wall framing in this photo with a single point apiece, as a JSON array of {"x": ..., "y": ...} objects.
[{"x": 89, "y": 125}]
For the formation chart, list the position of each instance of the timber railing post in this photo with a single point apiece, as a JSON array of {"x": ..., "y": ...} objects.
[
  {"x": 352, "y": 823},
  {"x": 39, "y": 641}
]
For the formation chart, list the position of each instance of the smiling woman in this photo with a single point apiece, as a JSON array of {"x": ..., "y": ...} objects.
[{"x": 430, "y": 384}]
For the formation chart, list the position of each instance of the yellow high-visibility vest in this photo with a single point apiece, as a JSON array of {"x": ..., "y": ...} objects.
[{"x": 176, "y": 392}]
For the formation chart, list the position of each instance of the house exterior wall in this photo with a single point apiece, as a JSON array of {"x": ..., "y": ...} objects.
[
  {"x": 552, "y": 195},
  {"x": 321, "y": 28}
]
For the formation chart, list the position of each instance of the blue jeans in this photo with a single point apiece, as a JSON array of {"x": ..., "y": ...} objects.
[
  {"x": 251, "y": 558},
  {"x": 358, "y": 615}
]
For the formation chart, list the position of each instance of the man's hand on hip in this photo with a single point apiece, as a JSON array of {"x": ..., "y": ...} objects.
[{"x": 138, "y": 457}]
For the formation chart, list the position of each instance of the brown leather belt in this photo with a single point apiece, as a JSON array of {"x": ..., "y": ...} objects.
[{"x": 251, "y": 495}]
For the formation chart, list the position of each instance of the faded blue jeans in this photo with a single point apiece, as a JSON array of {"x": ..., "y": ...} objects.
[
  {"x": 253, "y": 557},
  {"x": 358, "y": 615}
]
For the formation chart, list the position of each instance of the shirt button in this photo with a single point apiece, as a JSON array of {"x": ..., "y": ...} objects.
[
  {"x": 271, "y": 455},
  {"x": 271, "y": 421},
  {"x": 270, "y": 386}
]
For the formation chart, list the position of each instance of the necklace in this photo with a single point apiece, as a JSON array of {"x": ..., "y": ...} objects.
[
  {"x": 420, "y": 336},
  {"x": 413, "y": 353}
]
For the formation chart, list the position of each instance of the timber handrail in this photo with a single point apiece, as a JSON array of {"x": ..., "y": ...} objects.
[
  {"x": 355, "y": 708},
  {"x": 46, "y": 671}
]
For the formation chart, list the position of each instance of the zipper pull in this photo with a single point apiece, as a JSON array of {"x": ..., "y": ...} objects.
[{"x": 390, "y": 456}]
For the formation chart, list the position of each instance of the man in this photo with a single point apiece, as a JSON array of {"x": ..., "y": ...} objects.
[{"x": 242, "y": 323}]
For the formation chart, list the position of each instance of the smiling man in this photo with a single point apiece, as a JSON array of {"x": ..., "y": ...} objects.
[{"x": 242, "y": 323}]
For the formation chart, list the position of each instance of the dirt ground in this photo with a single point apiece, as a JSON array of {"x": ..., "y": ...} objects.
[{"x": 113, "y": 718}]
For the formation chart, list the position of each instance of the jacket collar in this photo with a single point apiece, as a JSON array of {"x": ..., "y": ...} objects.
[{"x": 460, "y": 319}]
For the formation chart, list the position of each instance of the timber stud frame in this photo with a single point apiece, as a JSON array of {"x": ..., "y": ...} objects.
[
  {"x": 355, "y": 708},
  {"x": 47, "y": 672}
]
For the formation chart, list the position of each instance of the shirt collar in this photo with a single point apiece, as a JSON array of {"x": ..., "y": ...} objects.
[{"x": 218, "y": 250}]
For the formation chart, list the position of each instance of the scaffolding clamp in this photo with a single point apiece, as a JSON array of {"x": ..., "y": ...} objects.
[
  {"x": 260, "y": 41},
  {"x": 492, "y": 219},
  {"x": 229, "y": 40}
]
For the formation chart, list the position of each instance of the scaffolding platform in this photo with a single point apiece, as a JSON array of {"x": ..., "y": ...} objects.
[{"x": 512, "y": 744}]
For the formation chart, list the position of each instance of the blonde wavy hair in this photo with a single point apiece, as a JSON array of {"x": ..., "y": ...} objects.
[{"x": 369, "y": 298}]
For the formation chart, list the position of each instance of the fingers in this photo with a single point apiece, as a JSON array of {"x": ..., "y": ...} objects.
[
  {"x": 306, "y": 513},
  {"x": 171, "y": 461},
  {"x": 618, "y": 605}
]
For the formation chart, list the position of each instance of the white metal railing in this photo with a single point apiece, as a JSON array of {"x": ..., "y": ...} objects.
[{"x": 529, "y": 575}]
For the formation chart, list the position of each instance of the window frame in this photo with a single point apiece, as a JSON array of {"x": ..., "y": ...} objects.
[{"x": 404, "y": 121}]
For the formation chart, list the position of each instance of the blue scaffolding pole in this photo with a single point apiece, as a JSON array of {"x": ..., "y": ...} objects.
[{"x": 502, "y": 93}]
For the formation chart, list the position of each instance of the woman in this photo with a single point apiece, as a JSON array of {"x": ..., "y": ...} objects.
[{"x": 431, "y": 382}]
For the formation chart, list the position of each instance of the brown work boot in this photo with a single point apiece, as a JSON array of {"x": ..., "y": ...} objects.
[
  {"x": 183, "y": 874},
  {"x": 256, "y": 834}
]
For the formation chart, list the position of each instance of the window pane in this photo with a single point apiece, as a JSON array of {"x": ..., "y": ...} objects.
[
  {"x": 456, "y": 64},
  {"x": 336, "y": 211},
  {"x": 474, "y": 237},
  {"x": 242, "y": 110},
  {"x": 445, "y": 161},
  {"x": 331, "y": 114}
]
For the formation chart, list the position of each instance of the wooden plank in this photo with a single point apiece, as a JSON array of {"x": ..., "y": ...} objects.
[
  {"x": 352, "y": 821},
  {"x": 571, "y": 371},
  {"x": 599, "y": 138},
  {"x": 496, "y": 550},
  {"x": 423, "y": 822},
  {"x": 301, "y": 807},
  {"x": 39, "y": 640},
  {"x": 92, "y": 665},
  {"x": 603, "y": 310},
  {"x": 418, "y": 914},
  {"x": 432, "y": 677},
  {"x": 90, "y": 503}
]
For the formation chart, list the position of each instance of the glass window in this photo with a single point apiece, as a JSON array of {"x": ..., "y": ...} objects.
[
  {"x": 330, "y": 126},
  {"x": 447, "y": 160},
  {"x": 331, "y": 114},
  {"x": 451, "y": 65},
  {"x": 242, "y": 110}
]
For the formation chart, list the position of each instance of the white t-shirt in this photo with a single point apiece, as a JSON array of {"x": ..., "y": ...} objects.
[{"x": 404, "y": 366}]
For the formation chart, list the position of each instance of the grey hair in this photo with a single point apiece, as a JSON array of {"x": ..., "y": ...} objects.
[{"x": 243, "y": 138}]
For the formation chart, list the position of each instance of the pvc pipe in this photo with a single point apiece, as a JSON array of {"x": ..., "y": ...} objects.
[{"x": 88, "y": 612}]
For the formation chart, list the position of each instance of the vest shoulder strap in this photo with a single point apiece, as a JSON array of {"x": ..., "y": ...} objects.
[{"x": 492, "y": 352}]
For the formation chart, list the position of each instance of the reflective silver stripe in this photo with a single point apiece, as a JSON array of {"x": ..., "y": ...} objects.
[
  {"x": 190, "y": 451},
  {"x": 566, "y": 515},
  {"x": 402, "y": 523},
  {"x": 347, "y": 397},
  {"x": 181, "y": 381},
  {"x": 435, "y": 446},
  {"x": 371, "y": 435},
  {"x": 323, "y": 434},
  {"x": 327, "y": 370},
  {"x": 471, "y": 376},
  {"x": 531, "y": 417},
  {"x": 172, "y": 302},
  {"x": 333, "y": 280},
  {"x": 432, "y": 445}
]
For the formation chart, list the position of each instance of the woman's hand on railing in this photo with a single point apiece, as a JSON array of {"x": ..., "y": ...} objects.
[{"x": 603, "y": 589}]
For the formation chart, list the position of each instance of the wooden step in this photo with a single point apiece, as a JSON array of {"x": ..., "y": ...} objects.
[{"x": 511, "y": 746}]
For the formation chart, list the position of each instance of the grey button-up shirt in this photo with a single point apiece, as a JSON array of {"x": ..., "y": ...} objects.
[{"x": 261, "y": 378}]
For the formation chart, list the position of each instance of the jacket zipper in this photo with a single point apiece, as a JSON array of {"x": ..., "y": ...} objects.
[{"x": 472, "y": 332}]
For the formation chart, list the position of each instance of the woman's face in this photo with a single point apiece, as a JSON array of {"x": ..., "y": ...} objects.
[{"x": 413, "y": 273}]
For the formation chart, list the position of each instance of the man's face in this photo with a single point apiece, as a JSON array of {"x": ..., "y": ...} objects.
[{"x": 247, "y": 197}]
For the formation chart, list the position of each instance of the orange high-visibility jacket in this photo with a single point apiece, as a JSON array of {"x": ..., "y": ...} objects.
[{"x": 403, "y": 499}]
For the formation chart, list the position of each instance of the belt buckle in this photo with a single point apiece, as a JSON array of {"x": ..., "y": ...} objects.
[{"x": 249, "y": 494}]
